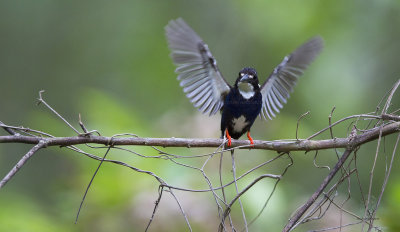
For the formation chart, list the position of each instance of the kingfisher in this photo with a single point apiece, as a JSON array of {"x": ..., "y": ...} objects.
[{"x": 241, "y": 103}]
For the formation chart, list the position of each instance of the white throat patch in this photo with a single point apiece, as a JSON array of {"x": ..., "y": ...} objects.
[{"x": 246, "y": 90}]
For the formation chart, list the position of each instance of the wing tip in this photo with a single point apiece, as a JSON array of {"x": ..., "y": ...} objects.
[{"x": 315, "y": 44}]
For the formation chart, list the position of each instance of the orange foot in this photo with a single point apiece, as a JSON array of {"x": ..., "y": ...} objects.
[
  {"x": 249, "y": 137},
  {"x": 228, "y": 137}
]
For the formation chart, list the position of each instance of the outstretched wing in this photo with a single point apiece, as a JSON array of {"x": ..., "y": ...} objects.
[
  {"x": 275, "y": 91},
  {"x": 198, "y": 72}
]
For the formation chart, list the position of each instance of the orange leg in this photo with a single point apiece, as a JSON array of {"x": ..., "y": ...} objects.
[
  {"x": 228, "y": 137},
  {"x": 250, "y": 138}
]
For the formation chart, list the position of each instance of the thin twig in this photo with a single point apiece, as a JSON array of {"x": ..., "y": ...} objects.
[
  {"x": 371, "y": 176},
  {"x": 367, "y": 116},
  {"x": 315, "y": 162},
  {"x": 42, "y": 143},
  {"x": 298, "y": 122},
  {"x": 181, "y": 209},
  {"x": 41, "y": 100},
  {"x": 160, "y": 192},
  {"x": 237, "y": 191},
  {"x": 90, "y": 183},
  {"x": 9, "y": 130},
  {"x": 387, "y": 174},
  {"x": 227, "y": 210},
  {"x": 274, "y": 188},
  {"x": 223, "y": 188},
  {"x": 389, "y": 99}
]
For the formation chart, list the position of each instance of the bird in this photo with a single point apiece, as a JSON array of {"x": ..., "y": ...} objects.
[{"x": 242, "y": 103}]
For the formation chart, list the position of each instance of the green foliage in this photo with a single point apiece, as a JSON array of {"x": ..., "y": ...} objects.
[{"x": 109, "y": 62}]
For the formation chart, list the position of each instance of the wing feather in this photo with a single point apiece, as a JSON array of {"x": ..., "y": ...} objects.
[
  {"x": 280, "y": 83},
  {"x": 196, "y": 67}
]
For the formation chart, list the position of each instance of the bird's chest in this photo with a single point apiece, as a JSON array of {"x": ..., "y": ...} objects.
[
  {"x": 236, "y": 105},
  {"x": 239, "y": 113}
]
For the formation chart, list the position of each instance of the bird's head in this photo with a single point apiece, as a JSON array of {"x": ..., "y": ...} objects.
[
  {"x": 247, "y": 80},
  {"x": 247, "y": 75}
]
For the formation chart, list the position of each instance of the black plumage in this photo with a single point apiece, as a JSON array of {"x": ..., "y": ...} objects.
[
  {"x": 204, "y": 85},
  {"x": 239, "y": 112}
]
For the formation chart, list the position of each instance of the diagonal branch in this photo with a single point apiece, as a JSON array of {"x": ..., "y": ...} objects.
[
  {"x": 295, "y": 219},
  {"x": 42, "y": 143}
]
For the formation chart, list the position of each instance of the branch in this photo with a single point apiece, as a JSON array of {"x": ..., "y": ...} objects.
[
  {"x": 295, "y": 219},
  {"x": 278, "y": 145},
  {"x": 383, "y": 125},
  {"x": 42, "y": 143}
]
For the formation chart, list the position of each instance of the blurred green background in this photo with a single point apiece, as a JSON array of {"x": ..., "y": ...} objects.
[{"x": 108, "y": 60}]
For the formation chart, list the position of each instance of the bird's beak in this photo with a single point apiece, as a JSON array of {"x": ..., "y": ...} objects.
[{"x": 245, "y": 78}]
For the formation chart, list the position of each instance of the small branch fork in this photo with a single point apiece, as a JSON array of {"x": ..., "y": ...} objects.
[
  {"x": 295, "y": 220},
  {"x": 384, "y": 124}
]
